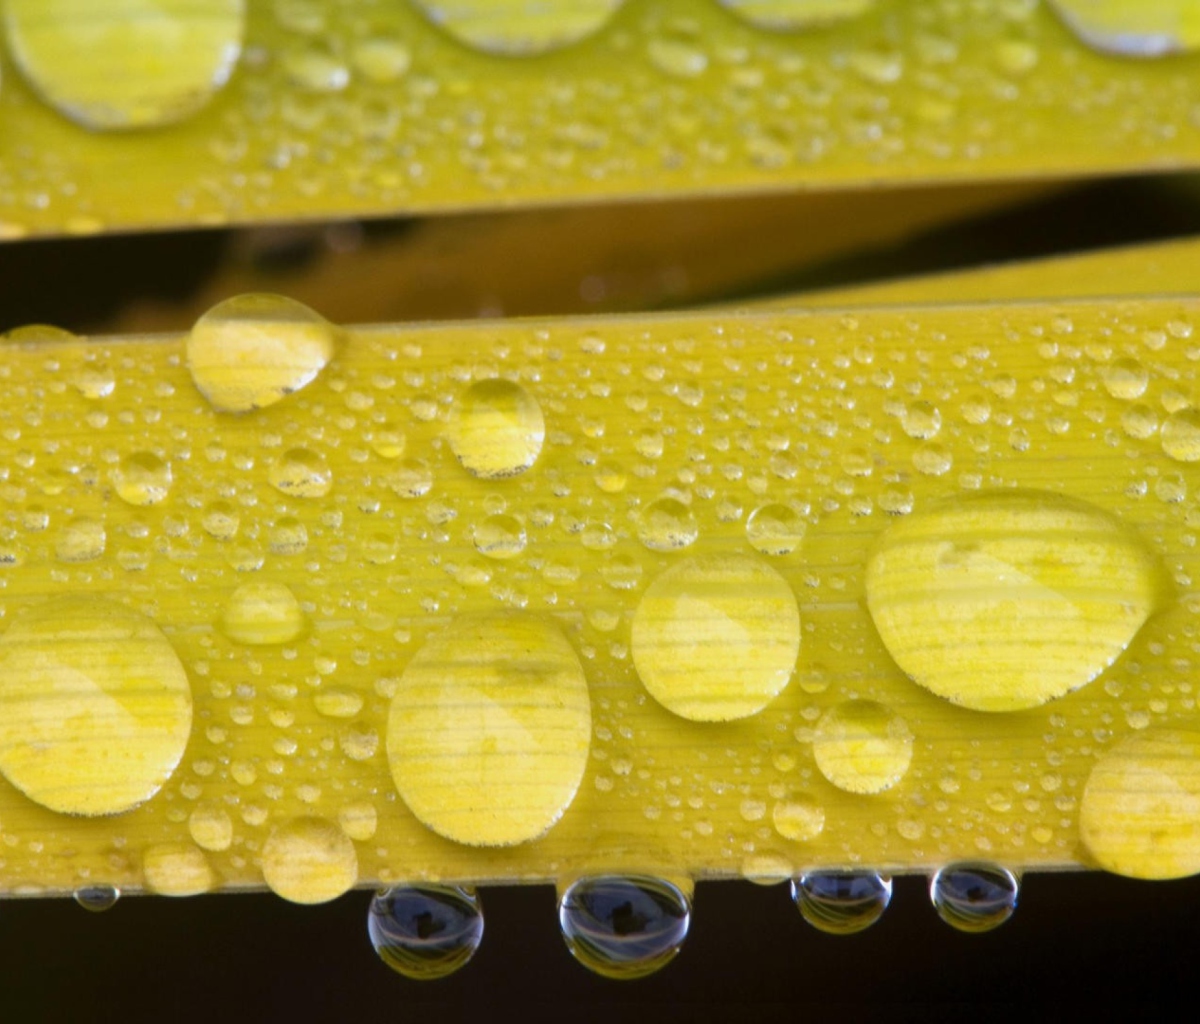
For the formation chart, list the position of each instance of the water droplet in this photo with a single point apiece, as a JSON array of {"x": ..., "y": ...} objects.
[
  {"x": 496, "y": 429},
  {"x": 488, "y": 733},
  {"x": 314, "y": 68},
  {"x": 1126, "y": 379},
  {"x": 142, "y": 479},
  {"x": 516, "y": 27},
  {"x": 220, "y": 520},
  {"x": 425, "y": 932},
  {"x": 862, "y": 746},
  {"x": 388, "y": 441},
  {"x": 411, "y": 478},
  {"x": 95, "y": 380},
  {"x": 252, "y": 351},
  {"x": 95, "y": 708},
  {"x": 775, "y": 529},
  {"x": 799, "y": 819},
  {"x": 624, "y": 927},
  {"x": 338, "y": 703},
  {"x": 1140, "y": 813},
  {"x": 716, "y": 638},
  {"x": 667, "y": 525},
  {"x": 790, "y": 15},
  {"x": 974, "y": 897},
  {"x": 500, "y": 537},
  {"x": 1133, "y": 29},
  {"x": 301, "y": 473},
  {"x": 842, "y": 902},
  {"x": 309, "y": 860},
  {"x": 288, "y": 536},
  {"x": 1180, "y": 435},
  {"x": 1005, "y": 600},
  {"x": 177, "y": 869},
  {"x": 125, "y": 63},
  {"x": 80, "y": 540},
  {"x": 211, "y": 827},
  {"x": 679, "y": 57},
  {"x": 97, "y": 898},
  {"x": 381, "y": 59},
  {"x": 921, "y": 420},
  {"x": 263, "y": 613}
]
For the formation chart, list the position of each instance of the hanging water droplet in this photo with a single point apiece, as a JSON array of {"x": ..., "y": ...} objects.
[
  {"x": 516, "y": 27},
  {"x": 775, "y": 529},
  {"x": 1143, "y": 29},
  {"x": 252, "y": 351},
  {"x": 97, "y": 898},
  {"x": 425, "y": 932},
  {"x": 309, "y": 860},
  {"x": 974, "y": 897},
  {"x": 667, "y": 525},
  {"x": 842, "y": 902},
  {"x": 263, "y": 613},
  {"x": 125, "y": 63},
  {"x": 862, "y": 746},
  {"x": 624, "y": 927},
  {"x": 301, "y": 473},
  {"x": 496, "y": 429},
  {"x": 791, "y": 15},
  {"x": 142, "y": 479}
]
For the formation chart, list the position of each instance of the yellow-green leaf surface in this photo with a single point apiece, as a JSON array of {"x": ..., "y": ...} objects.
[
  {"x": 125, "y": 114},
  {"x": 388, "y": 619}
]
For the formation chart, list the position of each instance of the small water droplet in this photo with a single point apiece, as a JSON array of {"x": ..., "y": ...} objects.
[
  {"x": 97, "y": 898},
  {"x": 309, "y": 860},
  {"x": 95, "y": 380},
  {"x": 388, "y": 441},
  {"x": 1126, "y": 379},
  {"x": 425, "y": 932},
  {"x": 81, "y": 540},
  {"x": 679, "y": 57},
  {"x": 253, "y": 350},
  {"x": 667, "y": 525},
  {"x": 263, "y": 613},
  {"x": 624, "y": 927},
  {"x": 211, "y": 827},
  {"x": 1133, "y": 29},
  {"x": 500, "y": 537},
  {"x": 716, "y": 638},
  {"x": 177, "y": 869},
  {"x": 974, "y": 897},
  {"x": 220, "y": 520},
  {"x": 301, "y": 473},
  {"x": 1180, "y": 435},
  {"x": 314, "y": 68},
  {"x": 862, "y": 746},
  {"x": 516, "y": 27},
  {"x": 775, "y": 529},
  {"x": 288, "y": 536},
  {"x": 496, "y": 429},
  {"x": 799, "y": 818},
  {"x": 142, "y": 479},
  {"x": 921, "y": 420},
  {"x": 381, "y": 59},
  {"x": 842, "y": 902}
]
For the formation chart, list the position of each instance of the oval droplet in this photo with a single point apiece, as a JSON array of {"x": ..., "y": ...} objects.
[
  {"x": 1140, "y": 813},
  {"x": 425, "y": 932},
  {"x": 799, "y": 819},
  {"x": 97, "y": 898},
  {"x": 411, "y": 478},
  {"x": 500, "y": 536},
  {"x": 1143, "y": 29},
  {"x": 1180, "y": 435},
  {"x": 791, "y": 15},
  {"x": 210, "y": 826},
  {"x": 489, "y": 729},
  {"x": 125, "y": 63},
  {"x": 142, "y": 479},
  {"x": 624, "y": 927},
  {"x": 309, "y": 860},
  {"x": 95, "y": 707},
  {"x": 81, "y": 539},
  {"x": 254, "y": 350},
  {"x": 496, "y": 429},
  {"x": 300, "y": 473},
  {"x": 1006, "y": 600},
  {"x": 842, "y": 902},
  {"x": 716, "y": 637},
  {"x": 1125, "y": 379},
  {"x": 263, "y": 613},
  {"x": 516, "y": 27},
  {"x": 177, "y": 869},
  {"x": 862, "y": 746},
  {"x": 974, "y": 897},
  {"x": 775, "y": 529},
  {"x": 667, "y": 525}
]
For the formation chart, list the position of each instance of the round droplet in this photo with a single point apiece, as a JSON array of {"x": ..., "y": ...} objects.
[
  {"x": 842, "y": 902},
  {"x": 489, "y": 729},
  {"x": 97, "y": 898},
  {"x": 667, "y": 525},
  {"x": 220, "y": 520},
  {"x": 411, "y": 478},
  {"x": 921, "y": 420},
  {"x": 1147, "y": 28},
  {"x": 500, "y": 537},
  {"x": 624, "y": 927},
  {"x": 425, "y": 932},
  {"x": 799, "y": 819},
  {"x": 516, "y": 27},
  {"x": 95, "y": 708},
  {"x": 1126, "y": 379},
  {"x": 125, "y": 63},
  {"x": 974, "y": 897},
  {"x": 496, "y": 429},
  {"x": 1180, "y": 435},
  {"x": 252, "y": 351},
  {"x": 862, "y": 746},
  {"x": 288, "y": 536},
  {"x": 142, "y": 479},
  {"x": 211, "y": 827},
  {"x": 1140, "y": 813},
  {"x": 309, "y": 860},
  {"x": 300, "y": 473},
  {"x": 1006, "y": 600},
  {"x": 790, "y": 15},
  {"x": 81, "y": 540},
  {"x": 177, "y": 869},
  {"x": 775, "y": 529},
  {"x": 716, "y": 637},
  {"x": 95, "y": 380},
  {"x": 263, "y": 613},
  {"x": 381, "y": 59}
]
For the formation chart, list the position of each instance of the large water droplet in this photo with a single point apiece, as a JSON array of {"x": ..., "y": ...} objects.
[
  {"x": 790, "y": 15},
  {"x": 1006, "y": 600},
  {"x": 775, "y": 529},
  {"x": 1146, "y": 28},
  {"x": 177, "y": 869},
  {"x": 716, "y": 637},
  {"x": 300, "y": 473},
  {"x": 252, "y": 351},
  {"x": 667, "y": 525},
  {"x": 425, "y": 932},
  {"x": 1140, "y": 813},
  {"x": 862, "y": 746},
  {"x": 489, "y": 729},
  {"x": 97, "y": 898},
  {"x": 309, "y": 860},
  {"x": 842, "y": 902},
  {"x": 142, "y": 479},
  {"x": 95, "y": 708},
  {"x": 974, "y": 897},
  {"x": 624, "y": 927},
  {"x": 263, "y": 613},
  {"x": 125, "y": 63},
  {"x": 515, "y": 27},
  {"x": 496, "y": 429}
]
